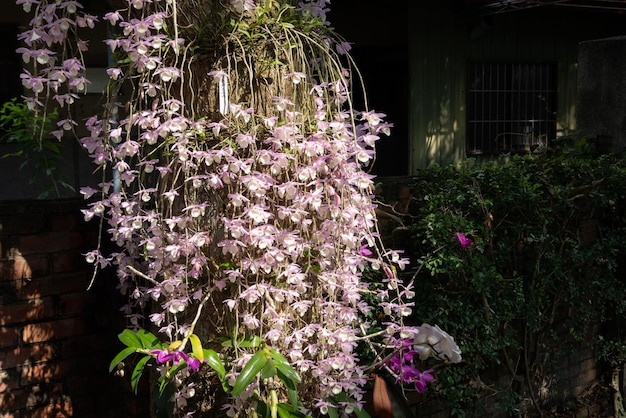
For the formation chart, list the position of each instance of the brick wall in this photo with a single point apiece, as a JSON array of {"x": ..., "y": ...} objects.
[{"x": 56, "y": 338}]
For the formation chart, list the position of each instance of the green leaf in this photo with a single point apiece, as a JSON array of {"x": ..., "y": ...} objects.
[
  {"x": 214, "y": 361},
  {"x": 161, "y": 401},
  {"x": 254, "y": 341},
  {"x": 287, "y": 411},
  {"x": 269, "y": 370},
  {"x": 261, "y": 409},
  {"x": 285, "y": 372},
  {"x": 130, "y": 339},
  {"x": 332, "y": 412},
  {"x": 148, "y": 339},
  {"x": 291, "y": 385},
  {"x": 137, "y": 372},
  {"x": 292, "y": 394},
  {"x": 361, "y": 413},
  {"x": 282, "y": 413},
  {"x": 249, "y": 372},
  {"x": 277, "y": 356},
  {"x": 248, "y": 342},
  {"x": 196, "y": 347},
  {"x": 288, "y": 372},
  {"x": 52, "y": 147},
  {"x": 120, "y": 357}
]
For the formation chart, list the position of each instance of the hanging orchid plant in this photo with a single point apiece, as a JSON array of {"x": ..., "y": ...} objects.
[{"x": 235, "y": 185}]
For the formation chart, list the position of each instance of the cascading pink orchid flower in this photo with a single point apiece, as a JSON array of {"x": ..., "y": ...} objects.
[{"x": 260, "y": 208}]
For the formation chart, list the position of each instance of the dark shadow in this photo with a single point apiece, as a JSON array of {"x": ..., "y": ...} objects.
[{"x": 379, "y": 38}]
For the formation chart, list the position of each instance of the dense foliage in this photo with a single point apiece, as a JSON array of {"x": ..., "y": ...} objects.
[
  {"x": 24, "y": 130},
  {"x": 537, "y": 271}
]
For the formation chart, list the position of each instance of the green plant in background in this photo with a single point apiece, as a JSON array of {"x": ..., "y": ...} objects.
[
  {"x": 23, "y": 128},
  {"x": 532, "y": 275}
]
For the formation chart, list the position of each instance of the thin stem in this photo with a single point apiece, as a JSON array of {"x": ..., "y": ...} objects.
[{"x": 143, "y": 276}]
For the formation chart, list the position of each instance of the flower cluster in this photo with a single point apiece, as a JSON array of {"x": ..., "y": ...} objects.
[
  {"x": 53, "y": 53},
  {"x": 402, "y": 364},
  {"x": 262, "y": 208},
  {"x": 429, "y": 342},
  {"x": 176, "y": 357}
]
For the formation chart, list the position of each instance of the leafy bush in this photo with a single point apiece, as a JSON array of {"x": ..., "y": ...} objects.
[
  {"x": 23, "y": 128},
  {"x": 539, "y": 277}
]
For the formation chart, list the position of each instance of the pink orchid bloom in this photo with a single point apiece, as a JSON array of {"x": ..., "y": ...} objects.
[
  {"x": 465, "y": 242},
  {"x": 163, "y": 356},
  {"x": 365, "y": 251}
]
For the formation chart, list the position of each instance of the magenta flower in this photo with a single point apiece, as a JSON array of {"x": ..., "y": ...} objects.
[
  {"x": 402, "y": 364},
  {"x": 465, "y": 242},
  {"x": 365, "y": 251},
  {"x": 423, "y": 379},
  {"x": 164, "y": 356}
]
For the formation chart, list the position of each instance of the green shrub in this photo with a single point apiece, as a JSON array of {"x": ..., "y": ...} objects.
[
  {"x": 539, "y": 279},
  {"x": 23, "y": 128}
]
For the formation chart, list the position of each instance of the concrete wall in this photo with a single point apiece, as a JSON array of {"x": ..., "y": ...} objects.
[{"x": 601, "y": 104}]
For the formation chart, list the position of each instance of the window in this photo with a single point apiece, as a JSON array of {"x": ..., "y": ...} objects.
[{"x": 511, "y": 107}]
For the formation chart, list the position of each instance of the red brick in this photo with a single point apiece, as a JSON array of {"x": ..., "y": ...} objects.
[
  {"x": 29, "y": 354},
  {"x": 59, "y": 371},
  {"x": 90, "y": 384},
  {"x": 87, "y": 406},
  {"x": 5, "y": 268},
  {"x": 74, "y": 303},
  {"x": 40, "y": 373},
  {"x": 65, "y": 222},
  {"x": 8, "y": 336},
  {"x": 50, "y": 243},
  {"x": 68, "y": 262},
  {"x": 34, "y": 333},
  {"x": 92, "y": 344},
  {"x": 36, "y": 309},
  {"x": 39, "y": 265},
  {"x": 53, "y": 330},
  {"x": 14, "y": 399},
  {"x": 19, "y": 267},
  {"x": 40, "y": 395},
  {"x": 8, "y": 292},
  {"x": 60, "y": 409},
  {"x": 21, "y": 224},
  {"x": 8, "y": 380},
  {"x": 55, "y": 285}
]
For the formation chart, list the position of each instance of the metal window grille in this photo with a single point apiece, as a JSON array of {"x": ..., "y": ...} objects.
[{"x": 511, "y": 107}]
